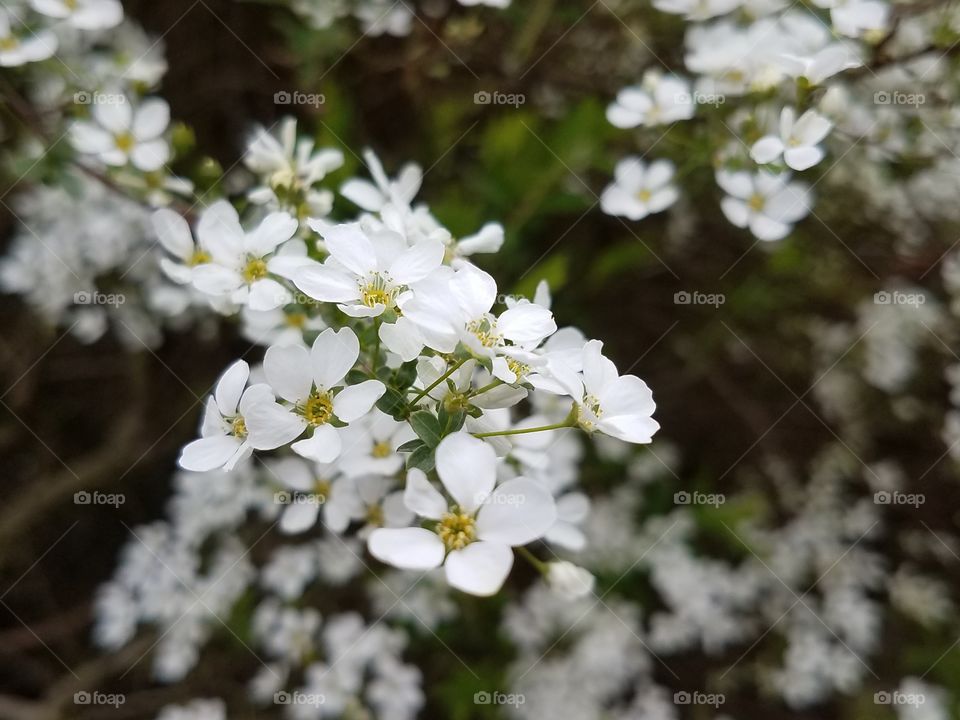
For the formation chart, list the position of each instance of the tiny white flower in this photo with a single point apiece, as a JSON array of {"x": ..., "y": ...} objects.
[
  {"x": 765, "y": 203},
  {"x": 240, "y": 263},
  {"x": 120, "y": 134},
  {"x": 696, "y": 9},
  {"x": 570, "y": 580},
  {"x": 82, "y": 14},
  {"x": 821, "y": 64},
  {"x": 373, "y": 196},
  {"x": 312, "y": 381},
  {"x": 289, "y": 168},
  {"x": 797, "y": 142},
  {"x": 639, "y": 190},
  {"x": 475, "y": 530},
  {"x": 618, "y": 405},
  {"x": 319, "y": 490},
  {"x": 20, "y": 45},
  {"x": 226, "y": 438},
  {"x": 658, "y": 100}
]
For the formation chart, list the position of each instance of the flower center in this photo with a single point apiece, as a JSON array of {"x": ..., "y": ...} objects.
[
  {"x": 125, "y": 141},
  {"x": 589, "y": 412},
  {"x": 238, "y": 427},
  {"x": 518, "y": 368},
  {"x": 756, "y": 202},
  {"x": 9, "y": 43},
  {"x": 71, "y": 4},
  {"x": 199, "y": 257},
  {"x": 381, "y": 450},
  {"x": 296, "y": 320},
  {"x": 456, "y": 530},
  {"x": 644, "y": 195},
  {"x": 485, "y": 330},
  {"x": 318, "y": 409},
  {"x": 255, "y": 269},
  {"x": 378, "y": 290},
  {"x": 374, "y": 516},
  {"x": 321, "y": 488}
]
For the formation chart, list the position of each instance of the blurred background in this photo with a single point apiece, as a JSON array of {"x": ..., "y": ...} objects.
[{"x": 751, "y": 390}]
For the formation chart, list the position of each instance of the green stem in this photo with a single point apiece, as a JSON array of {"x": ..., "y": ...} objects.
[
  {"x": 489, "y": 386},
  {"x": 522, "y": 431},
  {"x": 376, "y": 345},
  {"x": 533, "y": 560},
  {"x": 423, "y": 393}
]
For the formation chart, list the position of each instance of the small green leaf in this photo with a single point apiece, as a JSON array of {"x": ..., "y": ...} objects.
[
  {"x": 421, "y": 459},
  {"x": 426, "y": 426},
  {"x": 410, "y": 446}
]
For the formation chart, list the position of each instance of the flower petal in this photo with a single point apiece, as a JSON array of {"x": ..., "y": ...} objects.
[
  {"x": 408, "y": 548},
  {"x": 422, "y": 497},
  {"x": 518, "y": 512},
  {"x": 480, "y": 568},
  {"x": 467, "y": 467},
  {"x": 333, "y": 355}
]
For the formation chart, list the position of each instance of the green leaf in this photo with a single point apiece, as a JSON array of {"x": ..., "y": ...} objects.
[
  {"x": 410, "y": 446},
  {"x": 427, "y": 427},
  {"x": 421, "y": 459},
  {"x": 394, "y": 404}
]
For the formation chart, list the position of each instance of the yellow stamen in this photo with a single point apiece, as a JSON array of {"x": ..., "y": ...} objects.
[
  {"x": 382, "y": 449},
  {"x": 255, "y": 269},
  {"x": 239, "y": 427},
  {"x": 125, "y": 141},
  {"x": 756, "y": 202},
  {"x": 318, "y": 409},
  {"x": 456, "y": 530}
]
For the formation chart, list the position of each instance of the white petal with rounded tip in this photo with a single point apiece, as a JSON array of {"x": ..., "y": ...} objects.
[
  {"x": 267, "y": 294},
  {"x": 518, "y": 512},
  {"x": 351, "y": 247},
  {"x": 208, "y": 453},
  {"x": 479, "y": 569},
  {"x": 288, "y": 371},
  {"x": 114, "y": 116},
  {"x": 299, "y": 516},
  {"x": 355, "y": 401},
  {"x": 270, "y": 425},
  {"x": 333, "y": 355},
  {"x": 736, "y": 211},
  {"x": 363, "y": 193},
  {"x": 475, "y": 290},
  {"x": 402, "y": 338},
  {"x": 467, "y": 467},
  {"x": 230, "y": 387},
  {"x": 326, "y": 284},
  {"x": 803, "y": 158},
  {"x": 216, "y": 279},
  {"x": 526, "y": 323},
  {"x": 422, "y": 497},
  {"x": 417, "y": 262},
  {"x": 323, "y": 446},
  {"x": 151, "y": 155},
  {"x": 151, "y": 119},
  {"x": 765, "y": 228},
  {"x": 767, "y": 149},
  {"x": 173, "y": 232},
  {"x": 407, "y": 548},
  {"x": 275, "y": 230}
]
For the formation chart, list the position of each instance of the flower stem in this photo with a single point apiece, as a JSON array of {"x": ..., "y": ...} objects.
[
  {"x": 489, "y": 386},
  {"x": 522, "y": 431},
  {"x": 539, "y": 564},
  {"x": 423, "y": 393}
]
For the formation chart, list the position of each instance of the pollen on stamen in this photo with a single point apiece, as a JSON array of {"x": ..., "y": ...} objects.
[
  {"x": 318, "y": 409},
  {"x": 456, "y": 530}
]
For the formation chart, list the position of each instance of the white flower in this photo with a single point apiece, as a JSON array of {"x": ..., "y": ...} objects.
[
  {"x": 858, "y": 18},
  {"x": 240, "y": 263},
  {"x": 570, "y": 580},
  {"x": 318, "y": 488},
  {"x": 20, "y": 45},
  {"x": 607, "y": 402},
  {"x": 768, "y": 204},
  {"x": 658, "y": 100},
  {"x": 639, "y": 190},
  {"x": 820, "y": 64},
  {"x": 289, "y": 168},
  {"x": 226, "y": 439},
  {"x": 696, "y": 9},
  {"x": 120, "y": 134},
  {"x": 367, "y": 274},
  {"x": 200, "y": 709},
  {"x": 797, "y": 142},
  {"x": 475, "y": 531},
  {"x": 383, "y": 191},
  {"x": 312, "y": 381},
  {"x": 452, "y": 309},
  {"x": 82, "y": 14}
]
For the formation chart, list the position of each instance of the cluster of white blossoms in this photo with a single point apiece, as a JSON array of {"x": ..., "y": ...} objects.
[
  {"x": 375, "y": 17},
  {"x": 771, "y": 94}
]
